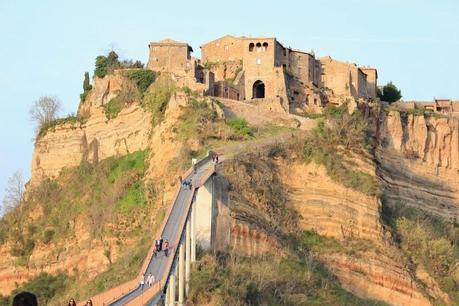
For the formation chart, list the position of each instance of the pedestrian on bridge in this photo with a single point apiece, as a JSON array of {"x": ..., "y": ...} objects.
[
  {"x": 150, "y": 279},
  {"x": 166, "y": 247},
  {"x": 159, "y": 244},
  {"x": 142, "y": 282}
]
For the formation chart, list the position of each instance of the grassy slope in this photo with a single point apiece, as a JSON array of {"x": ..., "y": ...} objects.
[{"x": 109, "y": 198}]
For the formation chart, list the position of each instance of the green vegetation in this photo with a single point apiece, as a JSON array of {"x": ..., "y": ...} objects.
[
  {"x": 157, "y": 98},
  {"x": 44, "y": 286},
  {"x": 106, "y": 64},
  {"x": 330, "y": 141},
  {"x": 390, "y": 93},
  {"x": 109, "y": 199},
  {"x": 51, "y": 126},
  {"x": 104, "y": 193},
  {"x": 143, "y": 78},
  {"x": 241, "y": 126},
  {"x": 114, "y": 107},
  {"x": 86, "y": 87},
  {"x": 428, "y": 241},
  {"x": 195, "y": 120}
]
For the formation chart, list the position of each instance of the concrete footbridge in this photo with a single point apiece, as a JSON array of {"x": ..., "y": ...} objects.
[{"x": 183, "y": 230}]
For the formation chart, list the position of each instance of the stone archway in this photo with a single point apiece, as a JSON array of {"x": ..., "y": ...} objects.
[{"x": 258, "y": 90}]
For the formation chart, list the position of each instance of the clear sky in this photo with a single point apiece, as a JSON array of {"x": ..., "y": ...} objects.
[{"x": 46, "y": 46}]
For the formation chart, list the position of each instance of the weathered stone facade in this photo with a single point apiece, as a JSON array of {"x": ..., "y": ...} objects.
[{"x": 247, "y": 68}]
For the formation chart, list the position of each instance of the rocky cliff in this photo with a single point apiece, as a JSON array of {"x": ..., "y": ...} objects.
[
  {"x": 95, "y": 137},
  {"x": 418, "y": 161}
]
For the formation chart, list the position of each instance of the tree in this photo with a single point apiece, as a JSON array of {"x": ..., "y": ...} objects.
[
  {"x": 86, "y": 85},
  {"x": 106, "y": 64},
  {"x": 14, "y": 191},
  {"x": 45, "y": 111},
  {"x": 390, "y": 93}
]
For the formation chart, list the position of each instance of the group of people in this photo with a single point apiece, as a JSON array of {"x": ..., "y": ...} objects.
[
  {"x": 215, "y": 158},
  {"x": 149, "y": 280},
  {"x": 73, "y": 303},
  {"x": 162, "y": 245}
]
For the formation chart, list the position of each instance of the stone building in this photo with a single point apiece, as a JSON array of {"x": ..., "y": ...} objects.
[
  {"x": 263, "y": 71},
  {"x": 170, "y": 56}
]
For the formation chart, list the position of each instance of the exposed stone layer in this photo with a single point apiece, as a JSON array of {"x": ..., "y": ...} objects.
[
  {"x": 418, "y": 162},
  {"x": 97, "y": 139}
]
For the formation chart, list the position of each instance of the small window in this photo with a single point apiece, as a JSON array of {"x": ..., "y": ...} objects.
[
  {"x": 226, "y": 48},
  {"x": 251, "y": 45},
  {"x": 265, "y": 46},
  {"x": 285, "y": 52},
  {"x": 258, "y": 61},
  {"x": 258, "y": 47}
]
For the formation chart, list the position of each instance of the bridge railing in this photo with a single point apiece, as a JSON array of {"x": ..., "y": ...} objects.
[
  {"x": 148, "y": 294},
  {"x": 113, "y": 294}
]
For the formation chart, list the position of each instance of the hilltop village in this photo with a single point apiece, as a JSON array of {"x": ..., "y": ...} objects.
[{"x": 263, "y": 71}]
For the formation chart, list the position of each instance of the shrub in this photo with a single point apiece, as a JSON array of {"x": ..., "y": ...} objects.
[
  {"x": 48, "y": 235},
  {"x": 143, "y": 78},
  {"x": 390, "y": 93},
  {"x": 50, "y": 126},
  {"x": 44, "y": 286},
  {"x": 230, "y": 279},
  {"x": 156, "y": 100},
  {"x": 323, "y": 145},
  {"x": 241, "y": 126},
  {"x": 106, "y": 64},
  {"x": 113, "y": 107}
]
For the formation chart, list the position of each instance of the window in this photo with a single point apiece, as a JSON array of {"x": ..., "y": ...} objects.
[
  {"x": 251, "y": 45},
  {"x": 258, "y": 61},
  {"x": 258, "y": 47},
  {"x": 226, "y": 48},
  {"x": 265, "y": 46}
]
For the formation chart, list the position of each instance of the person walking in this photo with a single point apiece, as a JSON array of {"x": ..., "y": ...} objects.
[
  {"x": 142, "y": 282},
  {"x": 216, "y": 158},
  {"x": 72, "y": 303},
  {"x": 157, "y": 245},
  {"x": 166, "y": 247},
  {"x": 150, "y": 279}
]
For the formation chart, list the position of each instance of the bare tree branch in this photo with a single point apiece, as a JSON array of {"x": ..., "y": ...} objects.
[{"x": 14, "y": 192}]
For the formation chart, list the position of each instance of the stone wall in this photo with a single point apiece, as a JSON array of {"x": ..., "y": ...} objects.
[
  {"x": 171, "y": 56},
  {"x": 225, "y": 49}
]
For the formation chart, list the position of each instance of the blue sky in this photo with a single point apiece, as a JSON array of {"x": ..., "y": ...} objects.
[{"x": 46, "y": 46}]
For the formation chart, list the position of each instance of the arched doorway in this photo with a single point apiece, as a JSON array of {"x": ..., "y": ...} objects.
[{"x": 258, "y": 90}]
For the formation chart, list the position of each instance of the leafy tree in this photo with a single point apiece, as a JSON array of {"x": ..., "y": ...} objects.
[
  {"x": 390, "y": 93},
  {"x": 106, "y": 64},
  {"x": 14, "y": 191},
  {"x": 44, "y": 111}
]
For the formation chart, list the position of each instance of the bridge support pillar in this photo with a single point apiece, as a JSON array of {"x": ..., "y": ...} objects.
[
  {"x": 187, "y": 256},
  {"x": 193, "y": 232},
  {"x": 181, "y": 295},
  {"x": 172, "y": 290},
  {"x": 167, "y": 296}
]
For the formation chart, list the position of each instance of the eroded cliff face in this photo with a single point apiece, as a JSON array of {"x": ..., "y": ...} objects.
[
  {"x": 373, "y": 267},
  {"x": 419, "y": 162},
  {"x": 97, "y": 138}
]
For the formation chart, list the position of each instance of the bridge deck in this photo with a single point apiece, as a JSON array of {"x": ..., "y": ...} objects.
[{"x": 158, "y": 264}]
